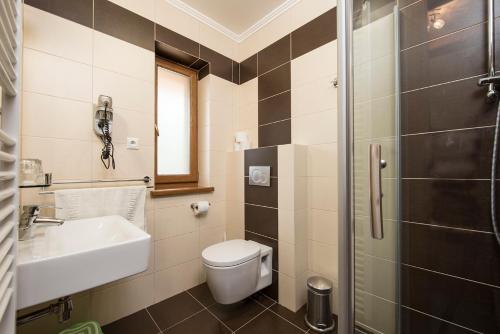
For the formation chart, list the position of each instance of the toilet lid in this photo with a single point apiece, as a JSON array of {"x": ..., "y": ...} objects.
[{"x": 230, "y": 253}]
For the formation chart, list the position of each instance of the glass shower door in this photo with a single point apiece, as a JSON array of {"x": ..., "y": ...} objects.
[{"x": 374, "y": 182}]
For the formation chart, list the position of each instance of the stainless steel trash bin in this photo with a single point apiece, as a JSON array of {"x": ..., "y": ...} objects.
[{"x": 319, "y": 314}]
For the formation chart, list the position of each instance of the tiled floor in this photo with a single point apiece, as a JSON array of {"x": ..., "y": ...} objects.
[{"x": 195, "y": 311}]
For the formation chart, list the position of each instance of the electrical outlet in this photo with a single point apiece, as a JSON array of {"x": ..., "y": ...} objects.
[{"x": 132, "y": 143}]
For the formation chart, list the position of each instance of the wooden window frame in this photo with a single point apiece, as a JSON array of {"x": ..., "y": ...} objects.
[{"x": 184, "y": 180}]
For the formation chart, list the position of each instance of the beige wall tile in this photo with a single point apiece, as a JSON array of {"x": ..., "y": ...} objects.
[
  {"x": 144, "y": 8},
  {"x": 174, "y": 221},
  {"x": 176, "y": 250},
  {"x": 121, "y": 300},
  {"x": 314, "y": 65},
  {"x": 317, "y": 128},
  {"x": 323, "y": 226},
  {"x": 127, "y": 92},
  {"x": 174, "y": 280},
  {"x": 322, "y": 160},
  {"x": 175, "y": 19},
  {"x": 323, "y": 259},
  {"x": 115, "y": 55},
  {"x": 72, "y": 40},
  {"x": 56, "y": 76},
  {"x": 323, "y": 193},
  {"x": 314, "y": 96},
  {"x": 48, "y": 116}
]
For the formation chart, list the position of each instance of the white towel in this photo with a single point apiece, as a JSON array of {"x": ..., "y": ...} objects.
[{"x": 127, "y": 202}]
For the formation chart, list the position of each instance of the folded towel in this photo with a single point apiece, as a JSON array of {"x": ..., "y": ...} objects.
[
  {"x": 88, "y": 327},
  {"x": 127, "y": 202}
]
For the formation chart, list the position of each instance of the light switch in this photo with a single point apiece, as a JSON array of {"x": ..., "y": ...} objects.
[{"x": 132, "y": 143}]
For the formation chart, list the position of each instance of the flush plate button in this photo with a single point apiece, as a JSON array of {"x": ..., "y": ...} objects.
[{"x": 259, "y": 176}]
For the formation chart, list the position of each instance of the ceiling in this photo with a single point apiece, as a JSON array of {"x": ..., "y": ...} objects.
[{"x": 236, "y": 16}]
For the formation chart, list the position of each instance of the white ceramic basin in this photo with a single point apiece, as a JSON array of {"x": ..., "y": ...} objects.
[{"x": 78, "y": 255}]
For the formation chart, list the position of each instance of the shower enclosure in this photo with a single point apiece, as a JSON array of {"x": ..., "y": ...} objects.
[{"x": 417, "y": 249}]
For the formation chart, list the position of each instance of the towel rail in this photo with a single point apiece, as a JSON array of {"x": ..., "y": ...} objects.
[{"x": 145, "y": 179}]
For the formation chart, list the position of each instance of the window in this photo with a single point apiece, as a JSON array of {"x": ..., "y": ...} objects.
[{"x": 176, "y": 152}]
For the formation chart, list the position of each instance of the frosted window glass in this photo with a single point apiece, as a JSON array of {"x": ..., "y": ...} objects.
[{"x": 173, "y": 98}]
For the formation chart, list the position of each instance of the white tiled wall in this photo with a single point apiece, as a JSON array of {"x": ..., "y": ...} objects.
[
  {"x": 64, "y": 73},
  {"x": 314, "y": 123}
]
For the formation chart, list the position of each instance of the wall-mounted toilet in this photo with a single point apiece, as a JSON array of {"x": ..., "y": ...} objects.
[{"x": 237, "y": 268}]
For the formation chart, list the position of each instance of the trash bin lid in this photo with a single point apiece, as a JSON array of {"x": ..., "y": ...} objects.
[{"x": 320, "y": 284}]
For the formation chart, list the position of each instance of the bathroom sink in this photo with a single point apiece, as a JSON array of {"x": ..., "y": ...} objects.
[{"x": 78, "y": 255}]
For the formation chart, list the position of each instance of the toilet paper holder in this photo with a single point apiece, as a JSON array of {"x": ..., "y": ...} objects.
[{"x": 194, "y": 206}]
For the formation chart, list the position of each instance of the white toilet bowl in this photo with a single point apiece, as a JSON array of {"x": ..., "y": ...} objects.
[{"x": 237, "y": 268}]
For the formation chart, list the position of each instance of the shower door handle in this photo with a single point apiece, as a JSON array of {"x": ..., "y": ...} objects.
[{"x": 375, "y": 167}]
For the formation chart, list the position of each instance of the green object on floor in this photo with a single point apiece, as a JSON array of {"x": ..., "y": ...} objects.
[{"x": 87, "y": 327}]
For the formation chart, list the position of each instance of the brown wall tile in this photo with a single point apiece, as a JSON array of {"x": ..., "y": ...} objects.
[
  {"x": 315, "y": 33},
  {"x": 176, "y": 40},
  {"x": 454, "y": 105},
  {"x": 220, "y": 65},
  {"x": 266, "y": 196},
  {"x": 118, "y": 22},
  {"x": 462, "y": 14},
  {"x": 457, "y": 252},
  {"x": 274, "y": 55},
  {"x": 453, "y": 203},
  {"x": 79, "y": 11},
  {"x": 170, "y": 53},
  {"x": 236, "y": 72},
  {"x": 453, "y": 299},
  {"x": 272, "y": 291},
  {"x": 276, "y": 108},
  {"x": 248, "y": 69},
  {"x": 413, "y": 322},
  {"x": 462, "y": 154},
  {"x": 459, "y": 55},
  {"x": 266, "y": 156},
  {"x": 279, "y": 133},
  {"x": 261, "y": 220},
  {"x": 275, "y": 82},
  {"x": 203, "y": 72}
]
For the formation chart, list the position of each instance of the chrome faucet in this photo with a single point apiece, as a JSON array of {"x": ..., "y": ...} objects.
[{"x": 30, "y": 217}]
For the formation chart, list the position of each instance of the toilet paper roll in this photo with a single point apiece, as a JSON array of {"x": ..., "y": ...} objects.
[{"x": 200, "y": 208}]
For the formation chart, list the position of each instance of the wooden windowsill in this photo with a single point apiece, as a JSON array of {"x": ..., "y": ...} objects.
[{"x": 181, "y": 191}]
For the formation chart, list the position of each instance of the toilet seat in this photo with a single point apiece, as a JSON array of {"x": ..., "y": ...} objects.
[{"x": 230, "y": 253}]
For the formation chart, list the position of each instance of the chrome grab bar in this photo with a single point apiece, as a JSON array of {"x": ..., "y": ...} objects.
[{"x": 375, "y": 193}]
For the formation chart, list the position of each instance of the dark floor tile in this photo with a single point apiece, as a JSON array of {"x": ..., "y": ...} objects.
[
  {"x": 415, "y": 27},
  {"x": 176, "y": 40},
  {"x": 266, "y": 156},
  {"x": 452, "y": 57},
  {"x": 464, "y": 154},
  {"x": 268, "y": 242},
  {"x": 276, "y": 108},
  {"x": 79, "y": 11},
  {"x": 413, "y": 322},
  {"x": 261, "y": 220},
  {"x": 248, "y": 69},
  {"x": 473, "y": 305},
  {"x": 202, "y": 294},
  {"x": 462, "y": 253},
  {"x": 297, "y": 318},
  {"x": 121, "y": 23},
  {"x": 201, "y": 323},
  {"x": 237, "y": 314},
  {"x": 269, "y": 323},
  {"x": 451, "y": 203},
  {"x": 258, "y": 195},
  {"x": 262, "y": 299},
  {"x": 174, "y": 309},
  {"x": 139, "y": 322},
  {"x": 274, "y": 82},
  {"x": 315, "y": 33},
  {"x": 279, "y": 133},
  {"x": 274, "y": 55}
]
